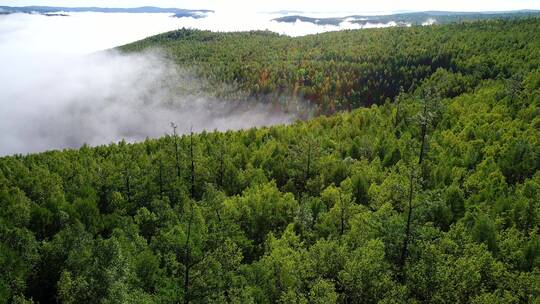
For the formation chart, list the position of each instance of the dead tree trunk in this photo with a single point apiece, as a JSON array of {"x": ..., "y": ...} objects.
[
  {"x": 176, "y": 152},
  {"x": 306, "y": 178},
  {"x": 396, "y": 121},
  {"x": 424, "y": 121},
  {"x": 404, "y": 248},
  {"x": 424, "y": 124},
  {"x": 221, "y": 166},
  {"x": 160, "y": 178},
  {"x": 187, "y": 256},
  {"x": 342, "y": 215},
  {"x": 127, "y": 180},
  {"x": 192, "y": 165}
]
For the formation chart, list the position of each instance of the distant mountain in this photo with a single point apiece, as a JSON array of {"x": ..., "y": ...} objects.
[
  {"x": 416, "y": 18},
  {"x": 285, "y": 12},
  {"x": 48, "y": 10}
]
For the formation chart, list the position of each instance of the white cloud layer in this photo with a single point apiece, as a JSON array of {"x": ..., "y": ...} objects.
[
  {"x": 89, "y": 32},
  {"x": 55, "y": 92},
  {"x": 55, "y": 102}
]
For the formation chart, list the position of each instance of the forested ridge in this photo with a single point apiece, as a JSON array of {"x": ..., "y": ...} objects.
[
  {"x": 428, "y": 194},
  {"x": 411, "y": 18},
  {"x": 347, "y": 69}
]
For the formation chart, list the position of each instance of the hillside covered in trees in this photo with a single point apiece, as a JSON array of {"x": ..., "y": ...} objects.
[
  {"x": 348, "y": 69},
  {"x": 426, "y": 191}
]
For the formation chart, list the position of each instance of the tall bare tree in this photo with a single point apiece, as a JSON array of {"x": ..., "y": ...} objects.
[{"x": 176, "y": 149}]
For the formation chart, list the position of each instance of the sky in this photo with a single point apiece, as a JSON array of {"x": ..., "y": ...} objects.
[{"x": 356, "y": 6}]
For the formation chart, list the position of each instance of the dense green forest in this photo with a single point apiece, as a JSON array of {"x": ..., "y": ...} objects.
[
  {"x": 427, "y": 191},
  {"x": 348, "y": 69}
]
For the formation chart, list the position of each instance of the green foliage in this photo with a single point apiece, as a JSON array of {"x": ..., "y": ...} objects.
[
  {"x": 347, "y": 69},
  {"x": 429, "y": 195}
]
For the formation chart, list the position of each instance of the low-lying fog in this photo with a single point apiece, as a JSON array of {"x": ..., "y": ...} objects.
[{"x": 57, "y": 92}]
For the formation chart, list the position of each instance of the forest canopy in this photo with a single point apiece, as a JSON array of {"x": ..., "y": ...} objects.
[
  {"x": 423, "y": 186},
  {"x": 348, "y": 69}
]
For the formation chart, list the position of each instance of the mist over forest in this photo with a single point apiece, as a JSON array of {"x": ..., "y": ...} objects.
[
  {"x": 49, "y": 55},
  {"x": 107, "y": 96},
  {"x": 62, "y": 88}
]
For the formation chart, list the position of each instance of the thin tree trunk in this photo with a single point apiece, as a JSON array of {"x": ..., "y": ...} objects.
[
  {"x": 192, "y": 166},
  {"x": 160, "y": 178},
  {"x": 127, "y": 181},
  {"x": 221, "y": 165},
  {"x": 422, "y": 145},
  {"x": 404, "y": 249},
  {"x": 176, "y": 153},
  {"x": 397, "y": 118},
  {"x": 187, "y": 258},
  {"x": 128, "y": 188},
  {"x": 307, "y": 168},
  {"x": 342, "y": 216},
  {"x": 424, "y": 122}
]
